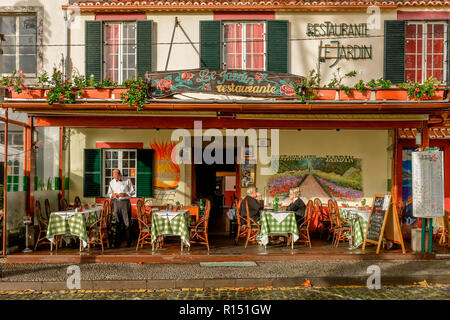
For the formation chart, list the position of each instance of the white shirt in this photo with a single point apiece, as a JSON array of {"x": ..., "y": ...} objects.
[{"x": 121, "y": 186}]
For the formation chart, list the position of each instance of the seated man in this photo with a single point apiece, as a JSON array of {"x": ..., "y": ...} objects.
[
  {"x": 297, "y": 205},
  {"x": 255, "y": 204}
]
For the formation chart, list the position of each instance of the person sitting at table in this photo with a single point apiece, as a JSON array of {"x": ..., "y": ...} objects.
[
  {"x": 255, "y": 204},
  {"x": 120, "y": 190},
  {"x": 297, "y": 205}
]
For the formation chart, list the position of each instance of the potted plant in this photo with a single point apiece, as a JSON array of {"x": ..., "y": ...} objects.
[
  {"x": 18, "y": 89},
  {"x": 95, "y": 90},
  {"x": 383, "y": 91},
  {"x": 61, "y": 90},
  {"x": 136, "y": 94},
  {"x": 429, "y": 90},
  {"x": 334, "y": 85},
  {"x": 359, "y": 92}
]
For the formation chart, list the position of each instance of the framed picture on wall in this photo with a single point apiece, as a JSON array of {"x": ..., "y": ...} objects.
[
  {"x": 247, "y": 154},
  {"x": 248, "y": 175}
]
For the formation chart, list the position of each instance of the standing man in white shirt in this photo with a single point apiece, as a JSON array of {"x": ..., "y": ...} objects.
[{"x": 120, "y": 190}]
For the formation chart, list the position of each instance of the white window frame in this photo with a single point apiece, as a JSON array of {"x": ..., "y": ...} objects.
[
  {"x": 120, "y": 55},
  {"x": 425, "y": 52},
  {"x": 119, "y": 161},
  {"x": 244, "y": 42},
  {"x": 17, "y": 44}
]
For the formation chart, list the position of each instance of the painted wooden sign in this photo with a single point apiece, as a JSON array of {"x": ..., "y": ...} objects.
[{"x": 224, "y": 82}]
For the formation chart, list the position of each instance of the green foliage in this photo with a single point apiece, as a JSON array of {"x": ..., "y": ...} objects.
[
  {"x": 108, "y": 83},
  {"x": 336, "y": 81},
  {"x": 91, "y": 83},
  {"x": 62, "y": 90},
  {"x": 419, "y": 91},
  {"x": 361, "y": 86},
  {"x": 136, "y": 94},
  {"x": 79, "y": 81},
  {"x": 14, "y": 82},
  {"x": 43, "y": 80}
]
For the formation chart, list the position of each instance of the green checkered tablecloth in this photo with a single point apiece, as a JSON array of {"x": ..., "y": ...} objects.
[
  {"x": 166, "y": 223},
  {"x": 359, "y": 225},
  {"x": 270, "y": 225},
  {"x": 71, "y": 223}
]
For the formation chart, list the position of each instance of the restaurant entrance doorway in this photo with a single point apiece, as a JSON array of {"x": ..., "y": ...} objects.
[{"x": 215, "y": 182}]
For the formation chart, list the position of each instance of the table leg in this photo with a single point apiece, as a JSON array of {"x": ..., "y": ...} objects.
[{"x": 292, "y": 241}]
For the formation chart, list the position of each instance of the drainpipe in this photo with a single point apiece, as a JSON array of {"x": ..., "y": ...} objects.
[
  {"x": 5, "y": 181},
  {"x": 66, "y": 40}
]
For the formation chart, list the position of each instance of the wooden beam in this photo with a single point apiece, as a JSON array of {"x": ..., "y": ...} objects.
[
  {"x": 147, "y": 122},
  {"x": 61, "y": 162},
  {"x": 5, "y": 184},
  {"x": 17, "y": 123}
]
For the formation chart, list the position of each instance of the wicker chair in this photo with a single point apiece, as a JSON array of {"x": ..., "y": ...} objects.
[
  {"x": 48, "y": 210},
  {"x": 343, "y": 229},
  {"x": 331, "y": 217},
  {"x": 144, "y": 221},
  {"x": 253, "y": 228},
  {"x": 241, "y": 222},
  {"x": 98, "y": 232},
  {"x": 303, "y": 229},
  {"x": 63, "y": 205},
  {"x": 42, "y": 225},
  {"x": 199, "y": 232}
]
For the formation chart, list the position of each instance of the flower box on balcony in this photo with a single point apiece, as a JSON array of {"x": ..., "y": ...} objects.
[
  {"x": 354, "y": 95},
  {"x": 116, "y": 92},
  {"x": 92, "y": 93},
  {"x": 438, "y": 95},
  {"x": 325, "y": 94},
  {"x": 30, "y": 93},
  {"x": 391, "y": 94}
]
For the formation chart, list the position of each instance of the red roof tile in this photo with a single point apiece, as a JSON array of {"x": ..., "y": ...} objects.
[{"x": 206, "y": 5}]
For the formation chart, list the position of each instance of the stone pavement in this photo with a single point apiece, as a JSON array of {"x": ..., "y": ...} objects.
[
  {"x": 415, "y": 292},
  {"x": 324, "y": 273}
]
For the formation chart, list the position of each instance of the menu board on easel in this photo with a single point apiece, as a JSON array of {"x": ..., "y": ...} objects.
[
  {"x": 428, "y": 183},
  {"x": 383, "y": 221}
]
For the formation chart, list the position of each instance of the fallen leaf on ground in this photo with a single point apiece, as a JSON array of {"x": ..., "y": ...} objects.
[{"x": 307, "y": 283}]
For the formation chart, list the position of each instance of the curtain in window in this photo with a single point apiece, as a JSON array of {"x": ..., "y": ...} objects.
[
  {"x": 112, "y": 38},
  {"x": 255, "y": 47}
]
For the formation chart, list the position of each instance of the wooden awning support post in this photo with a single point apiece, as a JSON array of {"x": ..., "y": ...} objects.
[{"x": 61, "y": 162}]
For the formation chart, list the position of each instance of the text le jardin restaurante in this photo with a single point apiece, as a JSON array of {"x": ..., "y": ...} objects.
[{"x": 335, "y": 50}]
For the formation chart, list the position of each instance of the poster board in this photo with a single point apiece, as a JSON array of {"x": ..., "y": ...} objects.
[
  {"x": 428, "y": 183},
  {"x": 383, "y": 221}
]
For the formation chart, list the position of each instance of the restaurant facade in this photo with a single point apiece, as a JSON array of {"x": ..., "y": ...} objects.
[{"x": 221, "y": 73}]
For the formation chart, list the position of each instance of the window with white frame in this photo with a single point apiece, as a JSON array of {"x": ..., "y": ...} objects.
[
  {"x": 19, "y": 47},
  {"x": 15, "y": 139},
  {"x": 120, "y": 51},
  {"x": 425, "y": 54},
  {"x": 122, "y": 159},
  {"x": 244, "y": 45}
]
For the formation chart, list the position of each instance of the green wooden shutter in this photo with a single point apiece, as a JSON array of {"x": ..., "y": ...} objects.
[
  {"x": 277, "y": 46},
  {"x": 94, "y": 49},
  {"x": 211, "y": 44},
  {"x": 144, "y": 47},
  {"x": 394, "y": 51},
  {"x": 92, "y": 181},
  {"x": 145, "y": 176}
]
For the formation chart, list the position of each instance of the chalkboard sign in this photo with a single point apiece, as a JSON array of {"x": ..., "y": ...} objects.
[{"x": 377, "y": 218}]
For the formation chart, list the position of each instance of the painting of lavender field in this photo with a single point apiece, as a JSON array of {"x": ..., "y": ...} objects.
[{"x": 337, "y": 177}]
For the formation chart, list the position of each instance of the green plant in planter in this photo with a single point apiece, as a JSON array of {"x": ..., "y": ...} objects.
[
  {"x": 108, "y": 83},
  {"x": 79, "y": 82},
  {"x": 136, "y": 94},
  {"x": 93, "y": 84},
  {"x": 419, "y": 91},
  {"x": 43, "y": 80},
  {"x": 384, "y": 84},
  {"x": 361, "y": 86},
  {"x": 336, "y": 82},
  {"x": 14, "y": 82},
  {"x": 62, "y": 91},
  {"x": 305, "y": 89}
]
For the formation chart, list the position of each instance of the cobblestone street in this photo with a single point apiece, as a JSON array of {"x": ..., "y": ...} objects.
[{"x": 416, "y": 292}]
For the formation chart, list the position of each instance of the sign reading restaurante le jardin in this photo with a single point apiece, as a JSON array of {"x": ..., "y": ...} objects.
[
  {"x": 224, "y": 82},
  {"x": 335, "y": 49}
]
